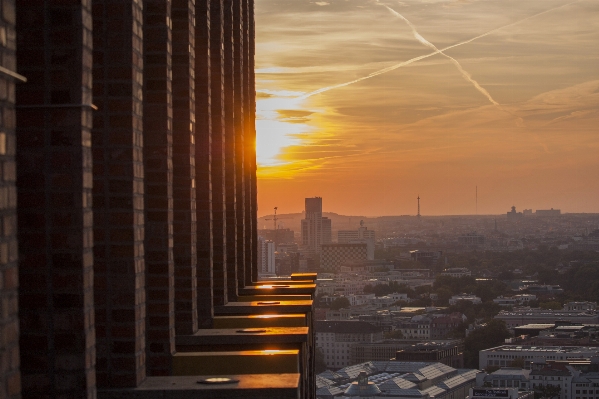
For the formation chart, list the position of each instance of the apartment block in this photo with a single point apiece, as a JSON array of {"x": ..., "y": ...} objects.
[
  {"x": 335, "y": 339},
  {"x": 333, "y": 256},
  {"x": 502, "y": 356}
]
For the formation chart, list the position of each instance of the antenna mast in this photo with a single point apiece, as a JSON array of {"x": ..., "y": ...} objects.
[{"x": 418, "y": 207}]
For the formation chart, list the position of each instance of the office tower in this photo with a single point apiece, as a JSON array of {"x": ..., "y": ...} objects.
[{"x": 316, "y": 229}]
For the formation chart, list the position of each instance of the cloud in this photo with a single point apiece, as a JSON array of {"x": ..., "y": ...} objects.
[
  {"x": 294, "y": 116},
  {"x": 261, "y": 94},
  {"x": 418, "y": 126}
]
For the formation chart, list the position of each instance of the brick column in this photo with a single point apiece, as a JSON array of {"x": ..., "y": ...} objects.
[
  {"x": 184, "y": 185},
  {"x": 219, "y": 273},
  {"x": 203, "y": 164},
  {"x": 238, "y": 117},
  {"x": 10, "y": 386},
  {"x": 117, "y": 145},
  {"x": 230, "y": 164},
  {"x": 252, "y": 130},
  {"x": 249, "y": 148},
  {"x": 158, "y": 178},
  {"x": 54, "y": 204}
]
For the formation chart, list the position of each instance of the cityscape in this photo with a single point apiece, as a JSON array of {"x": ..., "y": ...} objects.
[
  {"x": 299, "y": 199},
  {"x": 443, "y": 306}
]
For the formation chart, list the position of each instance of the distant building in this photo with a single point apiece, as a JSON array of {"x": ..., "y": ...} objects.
[
  {"x": 419, "y": 327},
  {"x": 505, "y": 377},
  {"x": 334, "y": 339},
  {"x": 465, "y": 297},
  {"x": 334, "y": 255},
  {"x": 360, "y": 235},
  {"x": 543, "y": 289},
  {"x": 523, "y": 316},
  {"x": 450, "y": 353},
  {"x": 428, "y": 258},
  {"x": 472, "y": 239},
  {"x": 357, "y": 266},
  {"x": 266, "y": 256},
  {"x": 548, "y": 212},
  {"x": 287, "y": 247},
  {"x": 396, "y": 380},
  {"x": 277, "y": 236},
  {"x": 442, "y": 327},
  {"x": 516, "y": 300},
  {"x": 573, "y": 306},
  {"x": 373, "y": 351},
  {"x": 287, "y": 263},
  {"x": 316, "y": 229},
  {"x": 527, "y": 212},
  {"x": 589, "y": 242},
  {"x": 513, "y": 215},
  {"x": 499, "y": 393},
  {"x": 456, "y": 272},
  {"x": 504, "y": 355}
]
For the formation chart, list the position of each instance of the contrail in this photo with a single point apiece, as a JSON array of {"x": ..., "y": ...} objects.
[
  {"x": 410, "y": 61},
  {"x": 422, "y": 40}
]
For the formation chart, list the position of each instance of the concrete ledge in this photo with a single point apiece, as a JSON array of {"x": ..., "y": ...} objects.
[
  {"x": 237, "y": 362},
  {"x": 264, "y": 307},
  {"x": 278, "y": 289},
  {"x": 271, "y": 297},
  {"x": 250, "y": 386},
  {"x": 223, "y": 337},
  {"x": 254, "y": 321},
  {"x": 294, "y": 282},
  {"x": 304, "y": 276}
]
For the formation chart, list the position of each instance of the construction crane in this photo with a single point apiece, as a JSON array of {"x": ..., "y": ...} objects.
[{"x": 275, "y": 218}]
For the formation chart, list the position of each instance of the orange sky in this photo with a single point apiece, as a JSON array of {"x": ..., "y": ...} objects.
[{"x": 358, "y": 102}]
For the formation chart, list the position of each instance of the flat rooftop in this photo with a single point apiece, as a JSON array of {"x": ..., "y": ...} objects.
[{"x": 552, "y": 349}]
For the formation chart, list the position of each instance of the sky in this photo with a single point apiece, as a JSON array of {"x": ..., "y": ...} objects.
[{"x": 474, "y": 106}]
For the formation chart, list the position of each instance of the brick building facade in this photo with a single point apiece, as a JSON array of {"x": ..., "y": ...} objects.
[
  {"x": 333, "y": 256},
  {"x": 127, "y": 187}
]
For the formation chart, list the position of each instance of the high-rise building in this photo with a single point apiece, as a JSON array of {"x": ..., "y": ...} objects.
[
  {"x": 316, "y": 229},
  {"x": 266, "y": 256}
]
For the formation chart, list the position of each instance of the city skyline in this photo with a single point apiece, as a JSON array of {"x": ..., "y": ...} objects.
[{"x": 473, "y": 106}]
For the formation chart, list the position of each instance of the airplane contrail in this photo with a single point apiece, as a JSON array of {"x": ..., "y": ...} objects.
[
  {"x": 428, "y": 44},
  {"x": 412, "y": 60}
]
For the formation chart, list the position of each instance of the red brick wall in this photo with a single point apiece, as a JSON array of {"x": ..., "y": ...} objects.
[
  {"x": 217, "y": 103},
  {"x": 239, "y": 118},
  {"x": 119, "y": 279},
  {"x": 9, "y": 324},
  {"x": 251, "y": 107},
  {"x": 158, "y": 193},
  {"x": 230, "y": 163},
  {"x": 251, "y": 270},
  {"x": 54, "y": 205},
  {"x": 184, "y": 184},
  {"x": 203, "y": 161}
]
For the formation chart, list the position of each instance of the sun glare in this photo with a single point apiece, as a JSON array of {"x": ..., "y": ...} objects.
[{"x": 278, "y": 127}]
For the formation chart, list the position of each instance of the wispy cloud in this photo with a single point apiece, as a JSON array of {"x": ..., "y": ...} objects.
[
  {"x": 419, "y": 127},
  {"x": 415, "y": 59}
]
